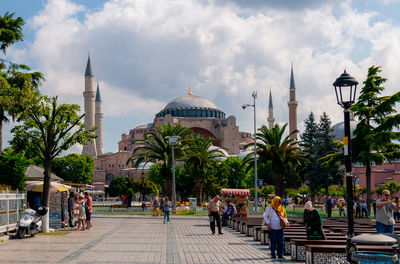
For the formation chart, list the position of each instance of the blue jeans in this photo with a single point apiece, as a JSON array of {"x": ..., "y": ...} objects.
[
  {"x": 382, "y": 228},
  {"x": 276, "y": 242},
  {"x": 166, "y": 216},
  {"x": 341, "y": 211}
]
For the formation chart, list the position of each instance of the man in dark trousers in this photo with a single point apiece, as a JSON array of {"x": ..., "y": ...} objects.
[
  {"x": 71, "y": 201},
  {"x": 214, "y": 209}
]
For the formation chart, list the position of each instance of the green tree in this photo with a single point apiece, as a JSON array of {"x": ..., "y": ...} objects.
[
  {"x": 144, "y": 186},
  {"x": 12, "y": 169},
  {"x": 282, "y": 151},
  {"x": 119, "y": 186},
  {"x": 18, "y": 88},
  {"x": 154, "y": 147},
  {"x": 215, "y": 178},
  {"x": 74, "y": 168},
  {"x": 237, "y": 172},
  {"x": 48, "y": 129},
  {"x": 199, "y": 156},
  {"x": 376, "y": 135},
  {"x": 267, "y": 189}
]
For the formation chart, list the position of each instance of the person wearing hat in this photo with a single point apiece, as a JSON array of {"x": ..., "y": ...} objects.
[{"x": 313, "y": 222}]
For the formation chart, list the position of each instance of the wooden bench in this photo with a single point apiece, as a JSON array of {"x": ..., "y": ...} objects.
[{"x": 298, "y": 246}]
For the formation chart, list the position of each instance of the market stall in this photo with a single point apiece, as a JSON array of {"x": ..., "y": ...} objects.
[{"x": 239, "y": 197}]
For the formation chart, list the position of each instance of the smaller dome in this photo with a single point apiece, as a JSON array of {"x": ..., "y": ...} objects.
[
  {"x": 226, "y": 155},
  {"x": 338, "y": 130}
]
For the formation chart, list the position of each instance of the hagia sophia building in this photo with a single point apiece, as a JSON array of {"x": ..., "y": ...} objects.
[{"x": 190, "y": 110}]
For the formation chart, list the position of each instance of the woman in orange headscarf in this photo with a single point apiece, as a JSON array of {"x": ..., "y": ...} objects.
[{"x": 272, "y": 217}]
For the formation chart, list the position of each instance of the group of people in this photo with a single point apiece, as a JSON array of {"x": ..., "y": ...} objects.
[
  {"x": 81, "y": 206},
  {"x": 164, "y": 206}
]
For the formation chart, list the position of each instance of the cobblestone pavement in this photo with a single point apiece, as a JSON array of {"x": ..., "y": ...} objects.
[{"x": 138, "y": 239}]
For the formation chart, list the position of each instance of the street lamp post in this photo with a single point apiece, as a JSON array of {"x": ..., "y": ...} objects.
[
  {"x": 345, "y": 89},
  {"x": 254, "y": 95},
  {"x": 173, "y": 141}
]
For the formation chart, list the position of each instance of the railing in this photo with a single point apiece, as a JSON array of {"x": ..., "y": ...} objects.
[{"x": 11, "y": 208}]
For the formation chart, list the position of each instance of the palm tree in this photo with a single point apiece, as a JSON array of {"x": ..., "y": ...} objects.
[
  {"x": 282, "y": 152},
  {"x": 199, "y": 157},
  {"x": 155, "y": 148}
]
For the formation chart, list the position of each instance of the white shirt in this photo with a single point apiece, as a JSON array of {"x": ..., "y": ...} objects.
[{"x": 271, "y": 217}]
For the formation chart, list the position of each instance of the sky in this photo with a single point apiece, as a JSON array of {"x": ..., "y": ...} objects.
[{"x": 145, "y": 53}]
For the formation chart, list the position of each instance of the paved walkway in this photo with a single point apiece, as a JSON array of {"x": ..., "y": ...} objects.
[{"x": 138, "y": 239}]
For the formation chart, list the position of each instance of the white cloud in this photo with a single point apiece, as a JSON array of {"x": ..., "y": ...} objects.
[{"x": 147, "y": 52}]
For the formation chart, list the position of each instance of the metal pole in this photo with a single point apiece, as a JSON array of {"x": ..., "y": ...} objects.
[
  {"x": 255, "y": 159},
  {"x": 349, "y": 183},
  {"x": 173, "y": 180}
]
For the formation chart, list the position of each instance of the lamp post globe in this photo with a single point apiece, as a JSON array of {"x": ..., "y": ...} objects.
[{"x": 345, "y": 89}]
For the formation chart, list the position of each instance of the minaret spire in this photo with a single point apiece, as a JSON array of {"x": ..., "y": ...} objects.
[
  {"x": 98, "y": 120},
  {"x": 271, "y": 118},
  {"x": 89, "y": 104},
  {"x": 292, "y": 104}
]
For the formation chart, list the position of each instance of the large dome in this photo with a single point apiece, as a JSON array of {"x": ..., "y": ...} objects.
[
  {"x": 191, "y": 106},
  {"x": 338, "y": 129},
  {"x": 190, "y": 101}
]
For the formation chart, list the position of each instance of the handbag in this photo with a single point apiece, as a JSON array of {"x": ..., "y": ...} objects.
[
  {"x": 282, "y": 221},
  {"x": 211, "y": 218}
]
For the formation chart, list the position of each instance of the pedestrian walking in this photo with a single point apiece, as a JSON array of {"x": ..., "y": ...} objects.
[
  {"x": 143, "y": 204},
  {"x": 167, "y": 209},
  {"x": 214, "y": 210},
  {"x": 155, "y": 206},
  {"x": 272, "y": 217},
  {"x": 88, "y": 210},
  {"x": 364, "y": 209},
  {"x": 162, "y": 206},
  {"x": 384, "y": 213},
  {"x": 358, "y": 209},
  {"x": 313, "y": 222}
]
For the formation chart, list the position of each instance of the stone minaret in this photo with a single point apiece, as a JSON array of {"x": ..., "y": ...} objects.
[
  {"x": 99, "y": 122},
  {"x": 271, "y": 118},
  {"x": 292, "y": 106},
  {"x": 90, "y": 148}
]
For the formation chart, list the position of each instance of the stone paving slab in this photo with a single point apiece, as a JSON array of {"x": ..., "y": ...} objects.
[{"x": 139, "y": 239}]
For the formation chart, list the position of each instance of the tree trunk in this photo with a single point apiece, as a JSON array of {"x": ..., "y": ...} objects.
[
  {"x": 278, "y": 185},
  {"x": 368, "y": 179},
  {"x": 199, "y": 191},
  {"x": 168, "y": 186},
  {"x": 1, "y": 129},
  {"x": 46, "y": 192}
]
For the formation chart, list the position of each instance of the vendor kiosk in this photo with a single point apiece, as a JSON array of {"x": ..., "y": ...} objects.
[{"x": 239, "y": 197}]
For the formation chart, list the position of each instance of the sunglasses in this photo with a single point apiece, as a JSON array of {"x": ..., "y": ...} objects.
[{"x": 386, "y": 194}]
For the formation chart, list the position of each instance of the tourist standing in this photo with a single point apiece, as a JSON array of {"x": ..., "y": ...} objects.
[
  {"x": 396, "y": 213},
  {"x": 329, "y": 206},
  {"x": 384, "y": 213},
  {"x": 88, "y": 210},
  {"x": 155, "y": 206},
  {"x": 82, "y": 213},
  {"x": 214, "y": 209},
  {"x": 313, "y": 222},
  {"x": 71, "y": 202},
  {"x": 364, "y": 209},
  {"x": 143, "y": 204},
  {"x": 341, "y": 206},
  {"x": 167, "y": 209},
  {"x": 273, "y": 213}
]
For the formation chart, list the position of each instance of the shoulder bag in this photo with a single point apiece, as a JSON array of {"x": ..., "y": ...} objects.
[{"x": 282, "y": 221}]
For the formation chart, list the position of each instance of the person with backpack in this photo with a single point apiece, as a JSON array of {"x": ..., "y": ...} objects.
[
  {"x": 273, "y": 215},
  {"x": 167, "y": 209}
]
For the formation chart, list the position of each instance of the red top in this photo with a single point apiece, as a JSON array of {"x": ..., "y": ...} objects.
[{"x": 89, "y": 204}]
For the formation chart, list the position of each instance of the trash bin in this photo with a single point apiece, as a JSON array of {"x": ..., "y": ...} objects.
[{"x": 373, "y": 257}]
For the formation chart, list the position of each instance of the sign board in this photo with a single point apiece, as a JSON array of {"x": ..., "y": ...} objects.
[{"x": 260, "y": 183}]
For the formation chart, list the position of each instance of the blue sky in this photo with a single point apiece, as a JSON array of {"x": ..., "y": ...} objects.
[{"x": 145, "y": 53}]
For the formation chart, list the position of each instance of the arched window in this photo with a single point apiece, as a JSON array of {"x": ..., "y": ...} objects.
[{"x": 109, "y": 177}]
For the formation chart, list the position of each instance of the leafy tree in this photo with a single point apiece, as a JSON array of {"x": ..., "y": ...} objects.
[
  {"x": 376, "y": 135},
  {"x": 154, "y": 147},
  {"x": 12, "y": 168},
  {"x": 18, "y": 88},
  {"x": 75, "y": 168},
  {"x": 199, "y": 157},
  {"x": 267, "y": 189},
  {"x": 120, "y": 185},
  {"x": 237, "y": 172},
  {"x": 48, "y": 129},
  {"x": 144, "y": 186},
  {"x": 282, "y": 151},
  {"x": 215, "y": 178}
]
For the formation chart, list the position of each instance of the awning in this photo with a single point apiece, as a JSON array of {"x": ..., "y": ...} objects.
[
  {"x": 54, "y": 186},
  {"x": 236, "y": 191}
]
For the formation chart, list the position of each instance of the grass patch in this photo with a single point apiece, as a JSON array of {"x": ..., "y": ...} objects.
[{"x": 61, "y": 233}]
